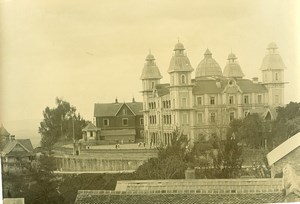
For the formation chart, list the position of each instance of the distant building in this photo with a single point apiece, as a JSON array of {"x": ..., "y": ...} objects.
[
  {"x": 16, "y": 155},
  {"x": 286, "y": 153},
  {"x": 204, "y": 106},
  {"x": 116, "y": 123},
  {"x": 187, "y": 191}
]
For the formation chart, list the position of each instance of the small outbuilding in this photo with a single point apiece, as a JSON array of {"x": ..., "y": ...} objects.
[{"x": 286, "y": 153}]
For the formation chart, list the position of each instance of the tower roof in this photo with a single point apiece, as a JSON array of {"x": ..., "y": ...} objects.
[
  {"x": 179, "y": 46},
  {"x": 150, "y": 70},
  {"x": 179, "y": 61},
  {"x": 208, "y": 66},
  {"x": 272, "y": 59},
  {"x": 233, "y": 69}
]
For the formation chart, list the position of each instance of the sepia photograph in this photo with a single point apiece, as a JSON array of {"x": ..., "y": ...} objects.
[{"x": 149, "y": 101}]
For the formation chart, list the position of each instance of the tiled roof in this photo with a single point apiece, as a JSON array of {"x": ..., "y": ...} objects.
[
  {"x": 106, "y": 197},
  {"x": 122, "y": 132},
  {"x": 23, "y": 142},
  {"x": 90, "y": 126},
  {"x": 233, "y": 70},
  {"x": 247, "y": 86},
  {"x": 208, "y": 87},
  {"x": 163, "y": 89},
  {"x": 150, "y": 70},
  {"x": 208, "y": 66},
  {"x": 272, "y": 61},
  {"x": 283, "y": 149},
  {"x": 111, "y": 109},
  {"x": 136, "y": 107}
]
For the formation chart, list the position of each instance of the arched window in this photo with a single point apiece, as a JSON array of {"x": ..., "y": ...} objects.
[{"x": 183, "y": 81}]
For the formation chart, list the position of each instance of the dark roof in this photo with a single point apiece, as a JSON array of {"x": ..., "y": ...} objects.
[
  {"x": 23, "y": 142},
  {"x": 163, "y": 89},
  {"x": 110, "y": 197},
  {"x": 111, "y": 109},
  {"x": 209, "y": 86},
  {"x": 3, "y": 131},
  {"x": 136, "y": 107},
  {"x": 247, "y": 86},
  {"x": 90, "y": 126}
]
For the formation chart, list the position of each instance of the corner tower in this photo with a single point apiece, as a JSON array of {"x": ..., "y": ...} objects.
[
  {"x": 272, "y": 69},
  {"x": 181, "y": 97}
]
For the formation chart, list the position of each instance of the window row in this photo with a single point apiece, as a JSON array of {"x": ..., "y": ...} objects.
[
  {"x": 231, "y": 100},
  {"x": 152, "y": 119},
  {"x": 166, "y": 104},
  {"x": 152, "y": 105},
  {"x": 167, "y": 119},
  {"x": 124, "y": 122}
]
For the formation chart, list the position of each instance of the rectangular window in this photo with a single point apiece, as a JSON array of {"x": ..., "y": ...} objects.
[
  {"x": 184, "y": 102},
  {"x": 91, "y": 134},
  {"x": 231, "y": 100},
  {"x": 124, "y": 121},
  {"x": 185, "y": 118},
  {"x": 141, "y": 121},
  {"x": 246, "y": 99},
  {"x": 212, "y": 100},
  {"x": 105, "y": 122},
  {"x": 276, "y": 99},
  {"x": 259, "y": 99},
  {"x": 199, "y": 100},
  {"x": 213, "y": 117},
  {"x": 199, "y": 118},
  {"x": 231, "y": 116},
  {"x": 124, "y": 111},
  {"x": 246, "y": 113}
]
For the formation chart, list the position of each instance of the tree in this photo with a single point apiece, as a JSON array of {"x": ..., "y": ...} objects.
[
  {"x": 287, "y": 122},
  {"x": 44, "y": 183},
  {"x": 58, "y": 124},
  {"x": 171, "y": 162},
  {"x": 39, "y": 185}
]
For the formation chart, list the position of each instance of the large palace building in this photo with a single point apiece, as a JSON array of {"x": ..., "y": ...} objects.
[{"x": 204, "y": 106}]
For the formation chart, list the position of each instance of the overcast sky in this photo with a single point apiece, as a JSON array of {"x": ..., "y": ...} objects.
[{"x": 90, "y": 51}]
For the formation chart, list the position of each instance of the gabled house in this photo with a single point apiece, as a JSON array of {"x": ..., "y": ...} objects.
[
  {"x": 286, "y": 153},
  {"x": 17, "y": 155},
  {"x": 116, "y": 123}
]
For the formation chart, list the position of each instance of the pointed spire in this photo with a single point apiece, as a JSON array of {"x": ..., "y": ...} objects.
[{"x": 207, "y": 53}]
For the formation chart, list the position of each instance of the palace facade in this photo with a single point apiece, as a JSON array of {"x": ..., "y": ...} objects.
[{"x": 203, "y": 106}]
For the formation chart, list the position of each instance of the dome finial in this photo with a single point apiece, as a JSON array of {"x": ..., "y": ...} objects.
[
  {"x": 272, "y": 47},
  {"x": 207, "y": 53}
]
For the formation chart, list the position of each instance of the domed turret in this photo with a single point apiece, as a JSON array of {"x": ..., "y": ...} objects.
[
  {"x": 179, "y": 61},
  {"x": 208, "y": 66},
  {"x": 233, "y": 69},
  {"x": 272, "y": 60},
  {"x": 150, "y": 70}
]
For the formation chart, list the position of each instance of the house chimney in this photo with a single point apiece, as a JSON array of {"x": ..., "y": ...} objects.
[
  {"x": 12, "y": 137},
  {"x": 133, "y": 100},
  {"x": 116, "y": 101},
  {"x": 255, "y": 80}
]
